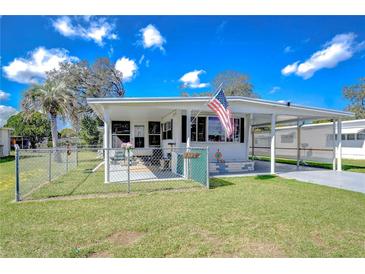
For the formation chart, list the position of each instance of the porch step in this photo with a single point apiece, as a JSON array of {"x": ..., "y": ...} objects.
[{"x": 232, "y": 167}]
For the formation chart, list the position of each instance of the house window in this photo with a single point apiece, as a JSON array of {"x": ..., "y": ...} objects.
[
  {"x": 193, "y": 129},
  {"x": 351, "y": 136},
  {"x": 236, "y": 131},
  {"x": 121, "y": 133},
  {"x": 183, "y": 128},
  {"x": 343, "y": 137},
  {"x": 138, "y": 136},
  {"x": 198, "y": 129},
  {"x": 360, "y": 136},
  {"x": 211, "y": 124},
  {"x": 215, "y": 130},
  {"x": 167, "y": 130},
  {"x": 287, "y": 138},
  {"x": 154, "y": 134},
  {"x": 202, "y": 128}
]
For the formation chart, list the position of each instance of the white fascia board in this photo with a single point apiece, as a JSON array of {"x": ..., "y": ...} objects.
[{"x": 312, "y": 111}]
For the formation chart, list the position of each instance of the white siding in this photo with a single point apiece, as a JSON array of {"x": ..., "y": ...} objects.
[
  {"x": 4, "y": 142},
  {"x": 231, "y": 151}
]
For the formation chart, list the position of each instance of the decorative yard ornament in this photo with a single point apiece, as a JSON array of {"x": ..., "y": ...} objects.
[
  {"x": 68, "y": 149},
  {"x": 127, "y": 146},
  {"x": 191, "y": 155},
  {"x": 218, "y": 156}
]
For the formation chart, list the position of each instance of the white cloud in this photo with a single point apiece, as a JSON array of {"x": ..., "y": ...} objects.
[
  {"x": 151, "y": 37},
  {"x": 4, "y": 95},
  {"x": 141, "y": 59},
  {"x": 342, "y": 47},
  {"x": 87, "y": 27},
  {"x": 289, "y": 69},
  {"x": 274, "y": 89},
  {"x": 192, "y": 80},
  {"x": 127, "y": 67},
  {"x": 39, "y": 61},
  {"x": 5, "y": 113}
]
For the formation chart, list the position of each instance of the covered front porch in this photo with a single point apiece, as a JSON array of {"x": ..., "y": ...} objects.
[{"x": 156, "y": 125}]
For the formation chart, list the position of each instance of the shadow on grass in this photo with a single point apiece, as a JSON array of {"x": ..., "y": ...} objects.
[
  {"x": 7, "y": 159},
  {"x": 354, "y": 168},
  {"x": 217, "y": 182},
  {"x": 88, "y": 173},
  {"x": 264, "y": 177}
]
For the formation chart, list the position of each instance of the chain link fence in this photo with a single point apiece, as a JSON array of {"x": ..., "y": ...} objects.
[{"x": 49, "y": 173}]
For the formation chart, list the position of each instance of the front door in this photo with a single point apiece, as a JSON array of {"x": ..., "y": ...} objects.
[{"x": 138, "y": 136}]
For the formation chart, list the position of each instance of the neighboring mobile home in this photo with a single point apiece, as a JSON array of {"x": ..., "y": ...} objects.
[
  {"x": 316, "y": 140},
  {"x": 5, "y": 141},
  {"x": 160, "y": 122}
]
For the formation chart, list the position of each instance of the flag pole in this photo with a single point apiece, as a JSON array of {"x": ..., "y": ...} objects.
[
  {"x": 214, "y": 95},
  {"x": 196, "y": 116}
]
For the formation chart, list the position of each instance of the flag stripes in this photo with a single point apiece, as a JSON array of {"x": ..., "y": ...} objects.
[{"x": 220, "y": 106}]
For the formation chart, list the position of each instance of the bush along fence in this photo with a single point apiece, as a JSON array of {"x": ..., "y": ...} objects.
[{"x": 60, "y": 172}]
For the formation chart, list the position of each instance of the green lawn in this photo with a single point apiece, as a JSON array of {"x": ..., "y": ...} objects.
[
  {"x": 347, "y": 164},
  {"x": 239, "y": 217}
]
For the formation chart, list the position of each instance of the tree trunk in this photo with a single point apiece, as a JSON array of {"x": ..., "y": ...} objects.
[
  {"x": 54, "y": 130},
  {"x": 56, "y": 153}
]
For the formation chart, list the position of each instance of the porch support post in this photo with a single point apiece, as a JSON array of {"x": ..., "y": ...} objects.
[
  {"x": 252, "y": 131},
  {"x": 339, "y": 145},
  {"x": 272, "y": 147},
  {"x": 106, "y": 146},
  {"x": 298, "y": 143},
  {"x": 248, "y": 129},
  {"x": 334, "y": 147},
  {"x": 188, "y": 134},
  {"x": 253, "y": 142}
]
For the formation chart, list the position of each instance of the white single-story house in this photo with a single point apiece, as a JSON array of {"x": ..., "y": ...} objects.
[
  {"x": 316, "y": 140},
  {"x": 5, "y": 141},
  {"x": 158, "y": 122}
]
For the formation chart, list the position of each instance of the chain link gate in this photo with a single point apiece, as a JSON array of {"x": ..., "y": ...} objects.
[{"x": 136, "y": 166}]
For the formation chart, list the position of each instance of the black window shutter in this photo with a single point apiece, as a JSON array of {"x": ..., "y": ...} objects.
[
  {"x": 183, "y": 128},
  {"x": 242, "y": 130},
  {"x": 172, "y": 128}
]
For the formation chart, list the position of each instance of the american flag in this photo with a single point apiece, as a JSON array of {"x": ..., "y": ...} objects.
[{"x": 220, "y": 106}]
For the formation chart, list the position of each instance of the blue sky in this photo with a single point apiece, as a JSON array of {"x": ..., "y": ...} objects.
[{"x": 303, "y": 59}]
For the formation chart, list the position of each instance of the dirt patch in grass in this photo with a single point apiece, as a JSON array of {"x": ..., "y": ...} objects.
[
  {"x": 258, "y": 249},
  {"x": 125, "y": 238},
  {"x": 101, "y": 254},
  {"x": 317, "y": 239}
]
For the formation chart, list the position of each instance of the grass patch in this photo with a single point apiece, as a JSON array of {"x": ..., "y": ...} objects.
[
  {"x": 240, "y": 217},
  {"x": 347, "y": 164}
]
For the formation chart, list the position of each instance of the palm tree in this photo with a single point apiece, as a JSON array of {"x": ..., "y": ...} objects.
[{"x": 54, "y": 99}]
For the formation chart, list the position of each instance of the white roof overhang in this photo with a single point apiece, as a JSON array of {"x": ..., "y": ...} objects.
[
  {"x": 353, "y": 130},
  {"x": 155, "y": 108}
]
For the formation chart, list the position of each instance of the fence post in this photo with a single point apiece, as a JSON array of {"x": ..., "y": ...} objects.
[
  {"x": 66, "y": 160},
  {"x": 128, "y": 172},
  {"x": 77, "y": 156},
  {"x": 17, "y": 183},
  {"x": 207, "y": 153},
  {"x": 50, "y": 165}
]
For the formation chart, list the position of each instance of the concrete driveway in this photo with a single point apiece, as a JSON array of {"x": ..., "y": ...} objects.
[{"x": 346, "y": 180}]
